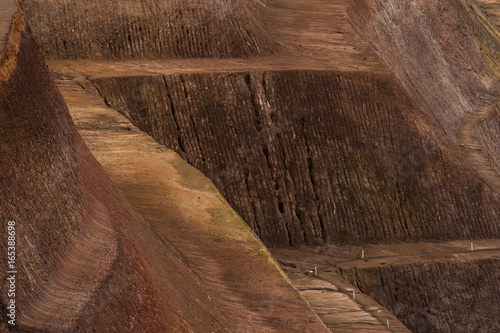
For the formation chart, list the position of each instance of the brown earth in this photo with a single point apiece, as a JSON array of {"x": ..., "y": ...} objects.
[
  {"x": 341, "y": 306},
  {"x": 447, "y": 54},
  {"x": 300, "y": 117},
  {"x": 491, "y": 9},
  {"x": 266, "y": 141},
  {"x": 430, "y": 287},
  {"x": 86, "y": 260},
  {"x": 310, "y": 136},
  {"x": 75, "y": 246},
  {"x": 189, "y": 214},
  {"x": 71, "y": 29},
  {"x": 8, "y": 8},
  {"x": 295, "y": 33},
  {"x": 443, "y": 296}
]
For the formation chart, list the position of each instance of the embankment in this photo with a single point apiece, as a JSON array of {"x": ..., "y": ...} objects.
[
  {"x": 309, "y": 157},
  {"x": 79, "y": 266},
  {"x": 447, "y": 55},
  {"x": 448, "y": 296},
  {"x": 85, "y": 259},
  {"x": 69, "y": 29}
]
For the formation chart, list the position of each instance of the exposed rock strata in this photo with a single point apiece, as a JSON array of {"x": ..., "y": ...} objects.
[
  {"x": 87, "y": 261},
  {"x": 314, "y": 157},
  {"x": 454, "y": 296},
  {"x": 443, "y": 52},
  {"x": 69, "y": 29},
  {"x": 76, "y": 257},
  {"x": 447, "y": 54},
  {"x": 491, "y": 9}
]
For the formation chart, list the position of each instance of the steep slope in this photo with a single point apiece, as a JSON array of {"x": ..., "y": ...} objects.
[
  {"x": 69, "y": 29},
  {"x": 192, "y": 34},
  {"x": 189, "y": 214},
  {"x": 314, "y": 157},
  {"x": 447, "y": 54},
  {"x": 444, "y": 62},
  {"x": 72, "y": 225},
  {"x": 347, "y": 154},
  {"x": 87, "y": 261},
  {"x": 439, "y": 296}
]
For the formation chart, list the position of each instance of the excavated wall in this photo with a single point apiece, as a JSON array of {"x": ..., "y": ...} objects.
[
  {"x": 460, "y": 296},
  {"x": 147, "y": 29},
  {"x": 445, "y": 53},
  {"x": 85, "y": 260},
  {"x": 314, "y": 157},
  {"x": 489, "y": 134}
]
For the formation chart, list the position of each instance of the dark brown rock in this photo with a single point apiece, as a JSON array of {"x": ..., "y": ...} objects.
[
  {"x": 436, "y": 297},
  {"x": 69, "y": 29},
  {"x": 314, "y": 157},
  {"x": 86, "y": 260}
]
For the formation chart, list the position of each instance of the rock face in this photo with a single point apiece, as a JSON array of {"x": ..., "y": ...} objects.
[
  {"x": 77, "y": 258},
  {"x": 447, "y": 54},
  {"x": 436, "y": 297},
  {"x": 353, "y": 155},
  {"x": 314, "y": 157},
  {"x": 420, "y": 48},
  {"x": 87, "y": 261},
  {"x": 147, "y": 29}
]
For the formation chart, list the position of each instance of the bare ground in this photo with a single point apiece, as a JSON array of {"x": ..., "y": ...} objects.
[{"x": 188, "y": 213}]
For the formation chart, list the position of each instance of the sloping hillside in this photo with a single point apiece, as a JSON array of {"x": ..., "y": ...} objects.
[
  {"x": 69, "y": 29},
  {"x": 86, "y": 260},
  {"x": 447, "y": 54},
  {"x": 331, "y": 127}
]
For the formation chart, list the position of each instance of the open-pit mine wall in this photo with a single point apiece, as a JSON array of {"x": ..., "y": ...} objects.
[
  {"x": 457, "y": 296},
  {"x": 444, "y": 52},
  {"x": 85, "y": 260},
  {"x": 147, "y": 29},
  {"x": 79, "y": 264},
  {"x": 309, "y": 157},
  {"x": 447, "y": 55}
]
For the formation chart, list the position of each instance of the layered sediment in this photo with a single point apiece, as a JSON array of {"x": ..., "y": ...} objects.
[
  {"x": 70, "y": 29},
  {"x": 310, "y": 157},
  {"x": 442, "y": 296},
  {"x": 353, "y": 155},
  {"x": 446, "y": 70},
  {"x": 85, "y": 259},
  {"x": 447, "y": 55},
  {"x": 72, "y": 226}
]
